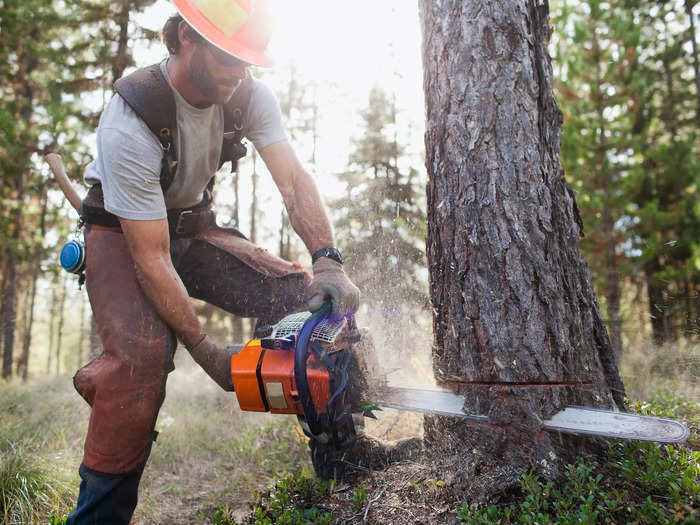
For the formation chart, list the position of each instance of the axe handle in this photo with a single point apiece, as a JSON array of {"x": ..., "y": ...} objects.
[{"x": 56, "y": 165}]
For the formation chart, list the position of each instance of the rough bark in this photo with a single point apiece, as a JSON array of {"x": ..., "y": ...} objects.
[{"x": 516, "y": 324}]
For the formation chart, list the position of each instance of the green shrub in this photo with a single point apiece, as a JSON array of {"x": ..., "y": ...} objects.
[
  {"x": 223, "y": 515},
  {"x": 640, "y": 482},
  {"x": 359, "y": 497},
  {"x": 291, "y": 501}
]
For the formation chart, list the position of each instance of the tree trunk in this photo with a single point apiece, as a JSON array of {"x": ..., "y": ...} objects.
[
  {"x": 122, "y": 57},
  {"x": 612, "y": 295},
  {"x": 285, "y": 238},
  {"x": 52, "y": 323},
  {"x": 81, "y": 340},
  {"x": 657, "y": 303},
  {"x": 696, "y": 65},
  {"x": 35, "y": 277},
  {"x": 254, "y": 202},
  {"x": 61, "y": 318},
  {"x": 9, "y": 314},
  {"x": 516, "y": 324},
  {"x": 95, "y": 342},
  {"x": 9, "y": 298}
]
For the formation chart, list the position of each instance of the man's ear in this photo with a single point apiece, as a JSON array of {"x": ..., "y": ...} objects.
[{"x": 184, "y": 34}]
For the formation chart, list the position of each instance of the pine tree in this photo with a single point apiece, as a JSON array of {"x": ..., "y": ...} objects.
[
  {"x": 381, "y": 225},
  {"x": 630, "y": 148},
  {"x": 666, "y": 179},
  {"x": 50, "y": 54},
  {"x": 596, "y": 94}
]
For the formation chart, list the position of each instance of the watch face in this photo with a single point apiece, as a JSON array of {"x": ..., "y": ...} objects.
[{"x": 331, "y": 253}]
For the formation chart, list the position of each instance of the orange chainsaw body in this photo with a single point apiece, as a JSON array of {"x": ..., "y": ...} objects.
[{"x": 263, "y": 380}]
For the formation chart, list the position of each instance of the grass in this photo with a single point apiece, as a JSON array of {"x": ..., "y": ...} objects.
[
  {"x": 30, "y": 488},
  {"x": 674, "y": 366},
  {"x": 37, "y": 434}
]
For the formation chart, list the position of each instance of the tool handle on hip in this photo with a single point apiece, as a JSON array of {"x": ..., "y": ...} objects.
[{"x": 56, "y": 165}]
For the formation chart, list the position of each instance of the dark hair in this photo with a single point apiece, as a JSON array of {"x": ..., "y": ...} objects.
[{"x": 171, "y": 38}]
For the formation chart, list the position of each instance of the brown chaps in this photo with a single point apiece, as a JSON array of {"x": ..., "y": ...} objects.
[{"x": 125, "y": 385}]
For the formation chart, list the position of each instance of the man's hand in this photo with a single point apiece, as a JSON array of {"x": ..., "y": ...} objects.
[
  {"x": 214, "y": 360},
  {"x": 330, "y": 282}
]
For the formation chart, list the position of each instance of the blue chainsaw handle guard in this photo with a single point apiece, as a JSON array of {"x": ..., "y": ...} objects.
[{"x": 301, "y": 354}]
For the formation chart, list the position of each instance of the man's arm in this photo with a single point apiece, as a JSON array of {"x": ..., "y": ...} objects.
[
  {"x": 308, "y": 218},
  {"x": 149, "y": 245},
  {"x": 304, "y": 207}
]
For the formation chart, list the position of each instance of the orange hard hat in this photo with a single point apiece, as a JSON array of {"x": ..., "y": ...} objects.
[{"x": 242, "y": 28}]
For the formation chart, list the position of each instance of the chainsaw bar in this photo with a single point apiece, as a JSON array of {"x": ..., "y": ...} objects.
[{"x": 571, "y": 420}]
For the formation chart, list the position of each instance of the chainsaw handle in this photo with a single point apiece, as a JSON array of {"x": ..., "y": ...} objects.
[{"x": 301, "y": 355}]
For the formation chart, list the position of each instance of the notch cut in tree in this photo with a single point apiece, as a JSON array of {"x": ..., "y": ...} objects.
[{"x": 517, "y": 328}]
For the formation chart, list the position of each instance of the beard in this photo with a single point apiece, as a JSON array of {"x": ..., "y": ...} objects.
[{"x": 213, "y": 90}]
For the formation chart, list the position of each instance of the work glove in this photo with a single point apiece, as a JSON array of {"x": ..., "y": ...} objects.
[
  {"x": 215, "y": 361},
  {"x": 330, "y": 282}
]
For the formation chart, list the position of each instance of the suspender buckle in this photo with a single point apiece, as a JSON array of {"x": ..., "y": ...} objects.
[{"x": 181, "y": 216}]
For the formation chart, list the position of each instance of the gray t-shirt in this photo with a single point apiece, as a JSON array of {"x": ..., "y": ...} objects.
[{"x": 129, "y": 155}]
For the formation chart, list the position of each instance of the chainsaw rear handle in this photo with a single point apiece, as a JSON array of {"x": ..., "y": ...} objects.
[{"x": 300, "y": 356}]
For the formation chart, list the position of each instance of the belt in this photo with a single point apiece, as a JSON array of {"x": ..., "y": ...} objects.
[{"x": 182, "y": 222}]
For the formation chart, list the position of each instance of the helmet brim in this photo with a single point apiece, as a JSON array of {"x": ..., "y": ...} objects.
[{"x": 212, "y": 34}]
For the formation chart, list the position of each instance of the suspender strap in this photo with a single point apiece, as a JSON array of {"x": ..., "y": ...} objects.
[
  {"x": 234, "y": 114},
  {"x": 148, "y": 93}
]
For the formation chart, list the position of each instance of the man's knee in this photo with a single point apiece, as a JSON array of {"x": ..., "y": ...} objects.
[{"x": 125, "y": 406}]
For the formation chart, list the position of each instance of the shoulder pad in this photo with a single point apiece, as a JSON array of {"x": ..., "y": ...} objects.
[{"x": 148, "y": 93}]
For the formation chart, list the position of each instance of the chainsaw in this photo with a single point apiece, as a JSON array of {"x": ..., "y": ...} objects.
[{"x": 325, "y": 371}]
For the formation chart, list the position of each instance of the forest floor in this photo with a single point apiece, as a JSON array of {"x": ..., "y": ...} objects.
[
  {"x": 213, "y": 463},
  {"x": 208, "y": 452}
]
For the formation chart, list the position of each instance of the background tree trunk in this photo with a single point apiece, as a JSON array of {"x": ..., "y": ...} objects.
[
  {"x": 35, "y": 277},
  {"x": 516, "y": 323},
  {"x": 52, "y": 319},
  {"x": 9, "y": 315},
  {"x": 61, "y": 319},
  {"x": 254, "y": 201},
  {"x": 95, "y": 343},
  {"x": 696, "y": 65}
]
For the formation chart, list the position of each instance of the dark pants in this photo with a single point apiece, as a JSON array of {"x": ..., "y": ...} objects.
[{"x": 125, "y": 385}]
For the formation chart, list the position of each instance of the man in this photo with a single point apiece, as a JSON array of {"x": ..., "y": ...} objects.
[{"x": 152, "y": 242}]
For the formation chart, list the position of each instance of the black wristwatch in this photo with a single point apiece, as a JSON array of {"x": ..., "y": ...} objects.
[{"x": 331, "y": 253}]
